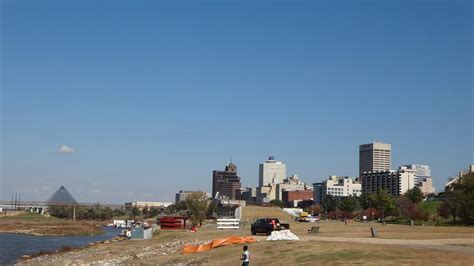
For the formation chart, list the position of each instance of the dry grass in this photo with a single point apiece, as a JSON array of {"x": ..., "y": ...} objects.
[
  {"x": 252, "y": 213},
  {"x": 34, "y": 224},
  {"x": 390, "y": 231},
  {"x": 314, "y": 252}
]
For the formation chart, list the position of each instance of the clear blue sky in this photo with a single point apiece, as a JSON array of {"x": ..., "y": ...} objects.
[{"x": 154, "y": 95}]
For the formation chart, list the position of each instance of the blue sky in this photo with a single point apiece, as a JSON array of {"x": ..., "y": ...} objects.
[{"x": 154, "y": 95}]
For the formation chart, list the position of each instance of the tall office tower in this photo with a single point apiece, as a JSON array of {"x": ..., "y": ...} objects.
[
  {"x": 227, "y": 182},
  {"x": 271, "y": 172},
  {"x": 374, "y": 156}
]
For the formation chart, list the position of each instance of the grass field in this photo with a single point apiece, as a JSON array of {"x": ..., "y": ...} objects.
[{"x": 429, "y": 206}]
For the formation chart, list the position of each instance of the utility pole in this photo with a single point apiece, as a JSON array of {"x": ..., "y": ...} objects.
[{"x": 74, "y": 212}]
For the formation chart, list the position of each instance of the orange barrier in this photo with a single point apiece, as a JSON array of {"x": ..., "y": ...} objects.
[{"x": 220, "y": 242}]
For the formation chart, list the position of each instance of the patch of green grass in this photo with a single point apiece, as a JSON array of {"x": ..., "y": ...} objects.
[{"x": 429, "y": 206}]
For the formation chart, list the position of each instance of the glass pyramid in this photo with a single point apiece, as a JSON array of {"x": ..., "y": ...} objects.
[{"x": 62, "y": 196}]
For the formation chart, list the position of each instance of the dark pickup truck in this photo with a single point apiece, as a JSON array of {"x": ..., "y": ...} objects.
[{"x": 267, "y": 226}]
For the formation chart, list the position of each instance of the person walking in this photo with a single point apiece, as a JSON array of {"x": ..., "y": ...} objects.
[{"x": 245, "y": 258}]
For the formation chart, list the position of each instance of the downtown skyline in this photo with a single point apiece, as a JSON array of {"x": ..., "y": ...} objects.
[{"x": 144, "y": 101}]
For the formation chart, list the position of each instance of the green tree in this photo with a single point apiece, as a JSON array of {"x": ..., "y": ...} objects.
[
  {"x": 212, "y": 208},
  {"x": 108, "y": 213},
  {"x": 277, "y": 203},
  {"x": 153, "y": 212},
  {"x": 385, "y": 202},
  {"x": 451, "y": 204},
  {"x": 197, "y": 203},
  {"x": 118, "y": 212},
  {"x": 466, "y": 198},
  {"x": 135, "y": 212},
  {"x": 173, "y": 208},
  {"x": 329, "y": 203},
  {"x": 403, "y": 204},
  {"x": 415, "y": 195},
  {"x": 145, "y": 211},
  {"x": 60, "y": 211},
  {"x": 349, "y": 204}
]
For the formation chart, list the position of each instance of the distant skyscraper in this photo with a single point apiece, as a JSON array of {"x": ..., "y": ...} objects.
[
  {"x": 227, "y": 182},
  {"x": 271, "y": 172},
  {"x": 374, "y": 156}
]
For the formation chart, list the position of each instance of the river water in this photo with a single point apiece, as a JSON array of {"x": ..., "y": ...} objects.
[{"x": 13, "y": 246}]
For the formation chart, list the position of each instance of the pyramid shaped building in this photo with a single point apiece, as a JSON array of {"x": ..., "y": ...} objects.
[{"x": 62, "y": 197}]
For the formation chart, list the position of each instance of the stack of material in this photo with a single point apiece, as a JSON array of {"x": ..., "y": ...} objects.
[{"x": 282, "y": 235}]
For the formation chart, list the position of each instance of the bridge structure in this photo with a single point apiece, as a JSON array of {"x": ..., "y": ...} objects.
[
  {"x": 40, "y": 206},
  {"x": 8, "y": 204}
]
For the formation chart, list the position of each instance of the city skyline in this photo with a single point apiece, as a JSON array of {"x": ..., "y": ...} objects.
[{"x": 124, "y": 102}]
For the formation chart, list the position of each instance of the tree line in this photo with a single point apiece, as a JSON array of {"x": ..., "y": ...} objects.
[
  {"x": 99, "y": 212},
  {"x": 456, "y": 203}
]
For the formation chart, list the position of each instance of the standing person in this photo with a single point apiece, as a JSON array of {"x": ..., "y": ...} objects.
[{"x": 245, "y": 258}]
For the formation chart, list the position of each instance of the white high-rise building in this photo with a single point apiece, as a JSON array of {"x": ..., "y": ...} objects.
[
  {"x": 374, "y": 156},
  {"x": 271, "y": 172},
  {"x": 423, "y": 178}
]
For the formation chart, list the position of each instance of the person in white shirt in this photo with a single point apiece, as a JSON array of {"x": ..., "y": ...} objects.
[{"x": 245, "y": 258}]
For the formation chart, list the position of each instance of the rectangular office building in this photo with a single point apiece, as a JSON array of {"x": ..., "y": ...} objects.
[
  {"x": 395, "y": 182},
  {"x": 374, "y": 156}
]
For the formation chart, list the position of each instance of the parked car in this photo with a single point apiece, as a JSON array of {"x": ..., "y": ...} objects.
[{"x": 267, "y": 226}]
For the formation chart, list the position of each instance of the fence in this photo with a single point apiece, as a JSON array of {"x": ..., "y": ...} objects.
[
  {"x": 141, "y": 233},
  {"x": 228, "y": 223}
]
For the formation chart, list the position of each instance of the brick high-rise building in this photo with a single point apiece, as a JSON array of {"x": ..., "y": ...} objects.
[{"x": 227, "y": 182}]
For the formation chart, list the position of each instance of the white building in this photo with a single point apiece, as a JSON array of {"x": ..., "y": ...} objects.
[
  {"x": 455, "y": 179},
  {"x": 338, "y": 186},
  {"x": 271, "y": 172},
  {"x": 395, "y": 182},
  {"x": 423, "y": 178},
  {"x": 149, "y": 204}
]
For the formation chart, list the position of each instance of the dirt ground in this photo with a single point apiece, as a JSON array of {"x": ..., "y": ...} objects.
[{"x": 336, "y": 244}]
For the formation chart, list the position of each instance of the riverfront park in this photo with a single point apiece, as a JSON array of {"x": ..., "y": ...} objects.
[{"x": 337, "y": 243}]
